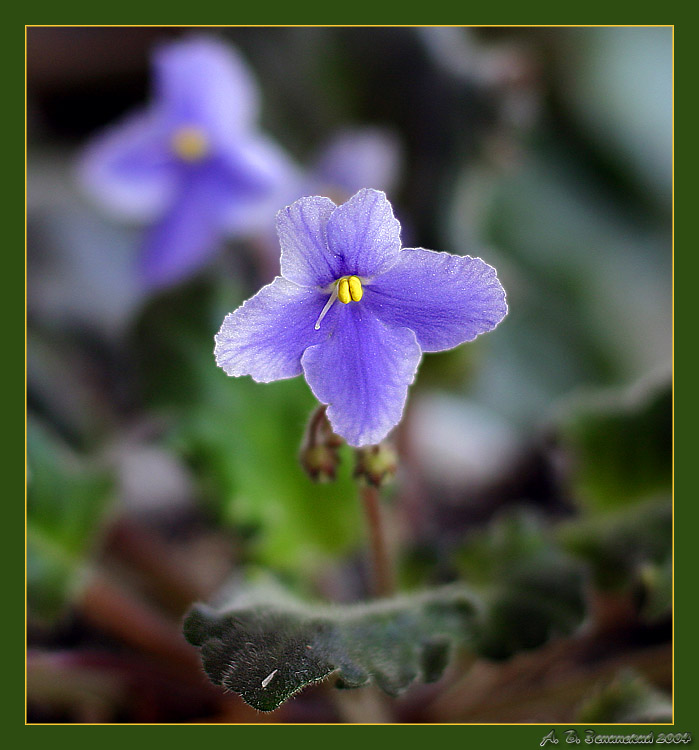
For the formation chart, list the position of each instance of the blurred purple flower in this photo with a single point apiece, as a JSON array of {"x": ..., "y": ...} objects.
[
  {"x": 358, "y": 356},
  {"x": 192, "y": 163},
  {"x": 355, "y": 158}
]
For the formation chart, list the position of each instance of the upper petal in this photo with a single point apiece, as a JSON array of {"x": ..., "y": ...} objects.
[
  {"x": 362, "y": 371},
  {"x": 302, "y": 230},
  {"x": 202, "y": 81},
  {"x": 358, "y": 158},
  {"x": 267, "y": 335},
  {"x": 129, "y": 170},
  {"x": 446, "y": 299},
  {"x": 365, "y": 233}
]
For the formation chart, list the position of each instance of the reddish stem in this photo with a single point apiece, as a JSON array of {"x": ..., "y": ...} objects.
[
  {"x": 116, "y": 611},
  {"x": 382, "y": 570},
  {"x": 145, "y": 551}
]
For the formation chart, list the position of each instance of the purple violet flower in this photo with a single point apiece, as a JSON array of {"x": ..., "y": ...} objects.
[
  {"x": 355, "y": 158},
  {"x": 354, "y": 312},
  {"x": 191, "y": 163}
]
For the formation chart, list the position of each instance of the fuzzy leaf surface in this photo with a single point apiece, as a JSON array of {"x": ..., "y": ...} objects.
[{"x": 267, "y": 646}]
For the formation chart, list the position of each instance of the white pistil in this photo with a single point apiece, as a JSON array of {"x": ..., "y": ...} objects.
[
  {"x": 347, "y": 289},
  {"x": 328, "y": 305}
]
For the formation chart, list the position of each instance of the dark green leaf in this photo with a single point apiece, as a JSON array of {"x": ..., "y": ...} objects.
[
  {"x": 618, "y": 546},
  {"x": 532, "y": 588},
  {"x": 267, "y": 646}
]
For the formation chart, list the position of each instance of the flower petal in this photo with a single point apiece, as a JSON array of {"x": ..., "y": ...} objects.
[
  {"x": 187, "y": 235},
  {"x": 257, "y": 176},
  {"x": 267, "y": 335},
  {"x": 365, "y": 234},
  {"x": 358, "y": 158},
  {"x": 446, "y": 299},
  {"x": 302, "y": 230},
  {"x": 128, "y": 169},
  {"x": 362, "y": 371},
  {"x": 201, "y": 81}
]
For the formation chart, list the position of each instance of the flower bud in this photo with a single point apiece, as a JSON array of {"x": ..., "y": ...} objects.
[
  {"x": 320, "y": 462},
  {"x": 319, "y": 455},
  {"x": 376, "y": 464}
]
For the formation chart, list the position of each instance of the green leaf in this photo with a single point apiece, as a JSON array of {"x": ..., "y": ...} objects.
[
  {"x": 628, "y": 699},
  {"x": 619, "y": 546},
  {"x": 532, "y": 588},
  {"x": 66, "y": 502},
  {"x": 619, "y": 445},
  {"x": 267, "y": 646}
]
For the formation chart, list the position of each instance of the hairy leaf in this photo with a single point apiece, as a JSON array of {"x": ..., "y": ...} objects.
[{"x": 266, "y": 646}]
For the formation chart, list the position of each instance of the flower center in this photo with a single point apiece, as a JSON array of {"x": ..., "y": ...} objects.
[
  {"x": 347, "y": 289},
  {"x": 190, "y": 143}
]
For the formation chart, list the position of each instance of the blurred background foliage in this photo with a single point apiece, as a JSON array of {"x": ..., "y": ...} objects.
[{"x": 536, "y": 463}]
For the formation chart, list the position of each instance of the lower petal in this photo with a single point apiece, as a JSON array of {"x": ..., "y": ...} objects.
[
  {"x": 186, "y": 236},
  {"x": 362, "y": 371},
  {"x": 256, "y": 176},
  {"x": 267, "y": 335},
  {"x": 446, "y": 299}
]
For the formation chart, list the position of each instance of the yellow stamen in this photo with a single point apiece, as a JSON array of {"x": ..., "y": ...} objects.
[
  {"x": 190, "y": 143},
  {"x": 347, "y": 289},
  {"x": 343, "y": 291},
  {"x": 355, "y": 288}
]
